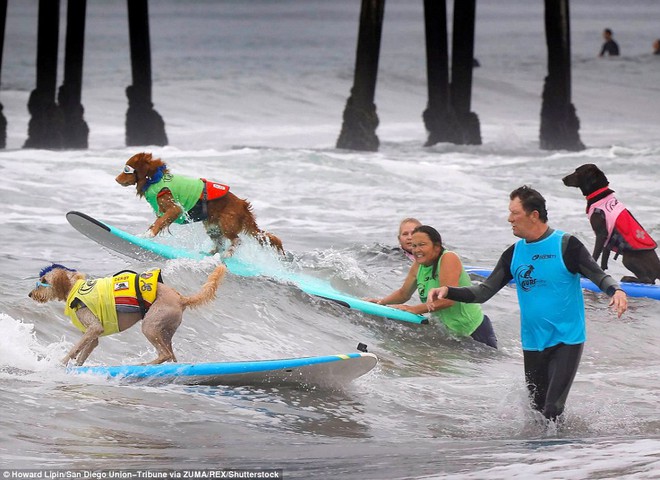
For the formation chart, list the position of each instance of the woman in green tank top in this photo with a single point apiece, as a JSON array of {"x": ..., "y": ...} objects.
[{"x": 435, "y": 266}]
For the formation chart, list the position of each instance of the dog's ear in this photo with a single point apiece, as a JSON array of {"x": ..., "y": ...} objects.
[
  {"x": 146, "y": 168},
  {"x": 62, "y": 281},
  {"x": 138, "y": 158},
  {"x": 145, "y": 164},
  {"x": 142, "y": 163},
  {"x": 592, "y": 177}
]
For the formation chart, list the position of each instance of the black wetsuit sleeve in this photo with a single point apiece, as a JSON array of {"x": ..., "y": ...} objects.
[
  {"x": 481, "y": 292},
  {"x": 578, "y": 260}
]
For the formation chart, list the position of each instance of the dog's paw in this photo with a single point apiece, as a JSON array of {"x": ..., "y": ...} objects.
[{"x": 631, "y": 279}]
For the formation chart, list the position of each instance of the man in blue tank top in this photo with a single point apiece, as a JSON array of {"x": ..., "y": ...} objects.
[{"x": 546, "y": 265}]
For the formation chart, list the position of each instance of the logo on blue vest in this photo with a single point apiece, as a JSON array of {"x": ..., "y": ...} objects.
[
  {"x": 524, "y": 277},
  {"x": 544, "y": 256}
]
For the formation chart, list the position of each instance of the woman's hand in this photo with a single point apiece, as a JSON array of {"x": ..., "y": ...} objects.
[
  {"x": 373, "y": 300},
  {"x": 405, "y": 308}
]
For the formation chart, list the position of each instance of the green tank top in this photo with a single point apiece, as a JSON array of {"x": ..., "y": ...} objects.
[
  {"x": 185, "y": 190},
  {"x": 461, "y": 318}
]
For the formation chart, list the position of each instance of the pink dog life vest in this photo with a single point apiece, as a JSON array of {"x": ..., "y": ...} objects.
[{"x": 623, "y": 231}]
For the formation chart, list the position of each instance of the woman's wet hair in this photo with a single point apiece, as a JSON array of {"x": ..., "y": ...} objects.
[
  {"x": 408, "y": 220},
  {"x": 433, "y": 234},
  {"x": 436, "y": 239}
]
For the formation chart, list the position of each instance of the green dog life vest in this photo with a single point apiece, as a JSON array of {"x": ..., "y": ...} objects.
[{"x": 186, "y": 192}]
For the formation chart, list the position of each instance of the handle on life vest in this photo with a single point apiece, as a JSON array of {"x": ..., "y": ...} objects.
[{"x": 138, "y": 291}]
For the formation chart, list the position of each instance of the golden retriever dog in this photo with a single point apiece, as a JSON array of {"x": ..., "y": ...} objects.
[
  {"x": 99, "y": 307},
  {"x": 181, "y": 199}
]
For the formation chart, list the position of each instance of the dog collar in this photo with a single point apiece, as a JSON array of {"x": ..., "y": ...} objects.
[
  {"x": 155, "y": 178},
  {"x": 597, "y": 196},
  {"x": 597, "y": 192}
]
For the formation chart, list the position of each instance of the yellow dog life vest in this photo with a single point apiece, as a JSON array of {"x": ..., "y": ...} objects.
[{"x": 102, "y": 296}]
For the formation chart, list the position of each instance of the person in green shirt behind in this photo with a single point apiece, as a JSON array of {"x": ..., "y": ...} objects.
[{"x": 436, "y": 266}]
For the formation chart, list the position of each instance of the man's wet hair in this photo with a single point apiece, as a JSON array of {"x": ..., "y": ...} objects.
[{"x": 531, "y": 200}]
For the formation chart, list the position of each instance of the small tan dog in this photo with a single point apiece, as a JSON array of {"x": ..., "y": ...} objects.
[
  {"x": 104, "y": 306},
  {"x": 181, "y": 199}
]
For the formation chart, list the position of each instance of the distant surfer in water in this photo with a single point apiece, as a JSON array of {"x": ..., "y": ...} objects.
[
  {"x": 546, "y": 265},
  {"x": 610, "y": 47},
  {"x": 406, "y": 228},
  {"x": 434, "y": 265}
]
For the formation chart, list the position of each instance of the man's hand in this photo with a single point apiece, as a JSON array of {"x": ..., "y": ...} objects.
[
  {"x": 436, "y": 294},
  {"x": 619, "y": 302}
]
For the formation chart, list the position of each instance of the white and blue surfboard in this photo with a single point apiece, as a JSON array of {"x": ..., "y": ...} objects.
[
  {"x": 321, "y": 371},
  {"x": 146, "y": 249},
  {"x": 631, "y": 289}
]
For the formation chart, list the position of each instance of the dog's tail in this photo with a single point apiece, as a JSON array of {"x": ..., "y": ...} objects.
[{"x": 207, "y": 292}]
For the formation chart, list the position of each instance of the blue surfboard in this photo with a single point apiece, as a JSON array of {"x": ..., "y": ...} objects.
[
  {"x": 322, "y": 371},
  {"x": 147, "y": 249},
  {"x": 631, "y": 289}
]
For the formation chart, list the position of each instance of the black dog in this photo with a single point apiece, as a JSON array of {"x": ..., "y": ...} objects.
[{"x": 615, "y": 228}]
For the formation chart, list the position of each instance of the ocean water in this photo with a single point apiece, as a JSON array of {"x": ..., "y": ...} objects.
[{"x": 252, "y": 94}]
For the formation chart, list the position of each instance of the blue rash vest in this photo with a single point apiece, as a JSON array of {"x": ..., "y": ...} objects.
[{"x": 550, "y": 296}]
